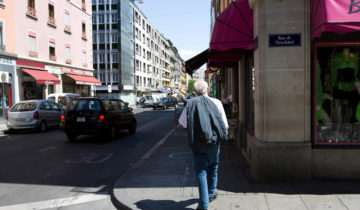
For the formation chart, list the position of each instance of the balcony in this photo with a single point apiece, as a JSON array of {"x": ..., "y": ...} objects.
[
  {"x": 68, "y": 61},
  {"x": 67, "y": 29},
  {"x": 51, "y": 21},
  {"x": 33, "y": 54},
  {"x": 52, "y": 57},
  {"x": 31, "y": 12},
  {"x": 83, "y": 36}
]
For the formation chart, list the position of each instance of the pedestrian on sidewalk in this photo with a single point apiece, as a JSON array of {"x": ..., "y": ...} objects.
[{"x": 206, "y": 124}]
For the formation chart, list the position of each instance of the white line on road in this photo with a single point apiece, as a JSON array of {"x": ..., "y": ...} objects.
[
  {"x": 56, "y": 203},
  {"x": 46, "y": 149}
]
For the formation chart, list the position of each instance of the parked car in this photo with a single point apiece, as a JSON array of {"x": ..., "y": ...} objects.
[
  {"x": 165, "y": 102},
  {"x": 62, "y": 98},
  {"x": 34, "y": 114},
  {"x": 97, "y": 116}
]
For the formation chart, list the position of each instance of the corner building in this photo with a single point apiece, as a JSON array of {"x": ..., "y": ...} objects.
[{"x": 296, "y": 92}]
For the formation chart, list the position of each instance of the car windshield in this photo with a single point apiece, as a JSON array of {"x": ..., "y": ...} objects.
[
  {"x": 85, "y": 104},
  {"x": 23, "y": 107},
  {"x": 163, "y": 99}
]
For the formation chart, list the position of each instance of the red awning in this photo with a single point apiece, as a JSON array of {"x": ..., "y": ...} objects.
[
  {"x": 232, "y": 33},
  {"x": 84, "y": 80},
  {"x": 338, "y": 16},
  {"x": 42, "y": 77}
]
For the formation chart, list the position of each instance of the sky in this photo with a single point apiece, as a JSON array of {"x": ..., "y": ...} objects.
[{"x": 185, "y": 22}]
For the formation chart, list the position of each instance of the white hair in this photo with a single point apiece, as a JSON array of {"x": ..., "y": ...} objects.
[{"x": 201, "y": 87}]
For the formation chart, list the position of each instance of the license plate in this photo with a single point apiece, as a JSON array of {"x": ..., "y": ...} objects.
[
  {"x": 20, "y": 119},
  {"x": 80, "y": 119}
]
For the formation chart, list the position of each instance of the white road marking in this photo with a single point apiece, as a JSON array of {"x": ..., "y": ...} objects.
[
  {"x": 91, "y": 158},
  {"x": 56, "y": 203}
]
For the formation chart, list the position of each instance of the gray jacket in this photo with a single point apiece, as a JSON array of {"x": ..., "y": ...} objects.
[{"x": 204, "y": 122}]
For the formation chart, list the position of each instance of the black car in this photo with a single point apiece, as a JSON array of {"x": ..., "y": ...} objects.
[
  {"x": 165, "y": 102},
  {"x": 98, "y": 116}
]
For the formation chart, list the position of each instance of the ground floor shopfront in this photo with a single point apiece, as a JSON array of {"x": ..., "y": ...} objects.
[
  {"x": 295, "y": 98},
  {"x": 7, "y": 85},
  {"x": 38, "y": 80}
]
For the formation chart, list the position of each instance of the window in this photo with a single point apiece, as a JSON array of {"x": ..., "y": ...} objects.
[
  {"x": 114, "y": 37},
  {"x": 52, "y": 55},
  {"x": 83, "y": 4},
  {"x": 51, "y": 14},
  {"x": 115, "y": 77},
  {"x": 31, "y": 8},
  {"x": 84, "y": 60},
  {"x": 2, "y": 43},
  {"x": 67, "y": 21},
  {"x": 94, "y": 58},
  {"x": 336, "y": 88},
  {"x": 32, "y": 45},
  {"x": 101, "y": 19},
  {"x": 93, "y": 19},
  {"x": 101, "y": 58},
  {"x": 94, "y": 38},
  {"x": 83, "y": 29},
  {"x": 115, "y": 57},
  {"x": 68, "y": 54},
  {"x": 101, "y": 38},
  {"x": 114, "y": 18}
]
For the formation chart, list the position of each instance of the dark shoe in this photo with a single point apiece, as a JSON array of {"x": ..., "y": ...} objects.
[
  {"x": 198, "y": 208},
  {"x": 211, "y": 199}
]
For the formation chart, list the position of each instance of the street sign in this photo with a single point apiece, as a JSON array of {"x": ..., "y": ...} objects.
[{"x": 284, "y": 40}]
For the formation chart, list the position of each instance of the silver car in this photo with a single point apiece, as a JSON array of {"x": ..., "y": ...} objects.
[{"x": 34, "y": 114}]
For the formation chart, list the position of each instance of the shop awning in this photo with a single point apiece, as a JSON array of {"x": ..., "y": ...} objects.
[
  {"x": 338, "y": 16},
  {"x": 42, "y": 77},
  {"x": 196, "y": 62},
  {"x": 84, "y": 80},
  {"x": 232, "y": 33}
]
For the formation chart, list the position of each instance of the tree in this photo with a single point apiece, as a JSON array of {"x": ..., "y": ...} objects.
[{"x": 191, "y": 86}]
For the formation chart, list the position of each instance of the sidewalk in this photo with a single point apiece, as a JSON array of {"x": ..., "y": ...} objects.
[{"x": 164, "y": 179}]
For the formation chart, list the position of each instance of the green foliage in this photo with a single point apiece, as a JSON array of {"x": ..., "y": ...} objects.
[{"x": 191, "y": 86}]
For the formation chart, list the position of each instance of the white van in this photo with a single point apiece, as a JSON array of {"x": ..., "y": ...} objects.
[{"x": 62, "y": 98}]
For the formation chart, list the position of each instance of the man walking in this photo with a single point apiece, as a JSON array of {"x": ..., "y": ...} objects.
[{"x": 206, "y": 124}]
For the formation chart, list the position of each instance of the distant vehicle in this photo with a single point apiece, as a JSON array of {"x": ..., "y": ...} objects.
[
  {"x": 34, "y": 114},
  {"x": 165, "y": 102},
  {"x": 148, "y": 102},
  {"x": 62, "y": 98},
  {"x": 97, "y": 116}
]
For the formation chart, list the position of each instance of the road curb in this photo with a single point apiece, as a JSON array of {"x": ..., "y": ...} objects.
[{"x": 126, "y": 201}]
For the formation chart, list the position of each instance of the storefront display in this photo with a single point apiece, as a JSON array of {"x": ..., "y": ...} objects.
[{"x": 337, "y": 93}]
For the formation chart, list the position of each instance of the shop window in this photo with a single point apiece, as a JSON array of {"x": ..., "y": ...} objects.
[
  {"x": 52, "y": 55},
  {"x": 51, "y": 19},
  {"x": 337, "y": 94},
  {"x": 249, "y": 93}
]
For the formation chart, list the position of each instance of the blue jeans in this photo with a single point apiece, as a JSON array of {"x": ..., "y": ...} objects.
[{"x": 206, "y": 161}]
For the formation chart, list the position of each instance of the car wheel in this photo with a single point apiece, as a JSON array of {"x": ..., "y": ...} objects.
[
  {"x": 132, "y": 129},
  {"x": 153, "y": 108},
  {"x": 43, "y": 126},
  {"x": 71, "y": 136},
  {"x": 112, "y": 132}
]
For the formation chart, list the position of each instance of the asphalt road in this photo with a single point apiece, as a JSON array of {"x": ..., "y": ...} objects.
[{"x": 45, "y": 171}]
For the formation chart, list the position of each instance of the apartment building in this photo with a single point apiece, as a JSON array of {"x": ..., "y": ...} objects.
[
  {"x": 157, "y": 62},
  {"x": 53, "y": 47},
  {"x": 8, "y": 87}
]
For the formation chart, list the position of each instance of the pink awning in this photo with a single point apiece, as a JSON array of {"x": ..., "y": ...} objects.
[
  {"x": 232, "y": 32},
  {"x": 338, "y": 16},
  {"x": 42, "y": 77},
  {"x": 84, "y": 80}
]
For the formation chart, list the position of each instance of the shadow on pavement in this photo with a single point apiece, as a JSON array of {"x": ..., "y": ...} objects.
[{"x": 164, "y": 204}]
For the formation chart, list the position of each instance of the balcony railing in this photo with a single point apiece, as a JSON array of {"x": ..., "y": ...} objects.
[
  {"x": 52, "y": 57},
  {"x": 67, "y": 28},
  {"x": 33, "y": 54},
  {"x": 51, "y": 20},
  {"x": 83, "y": 36},
  {"x": 31, "y": 11}
]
